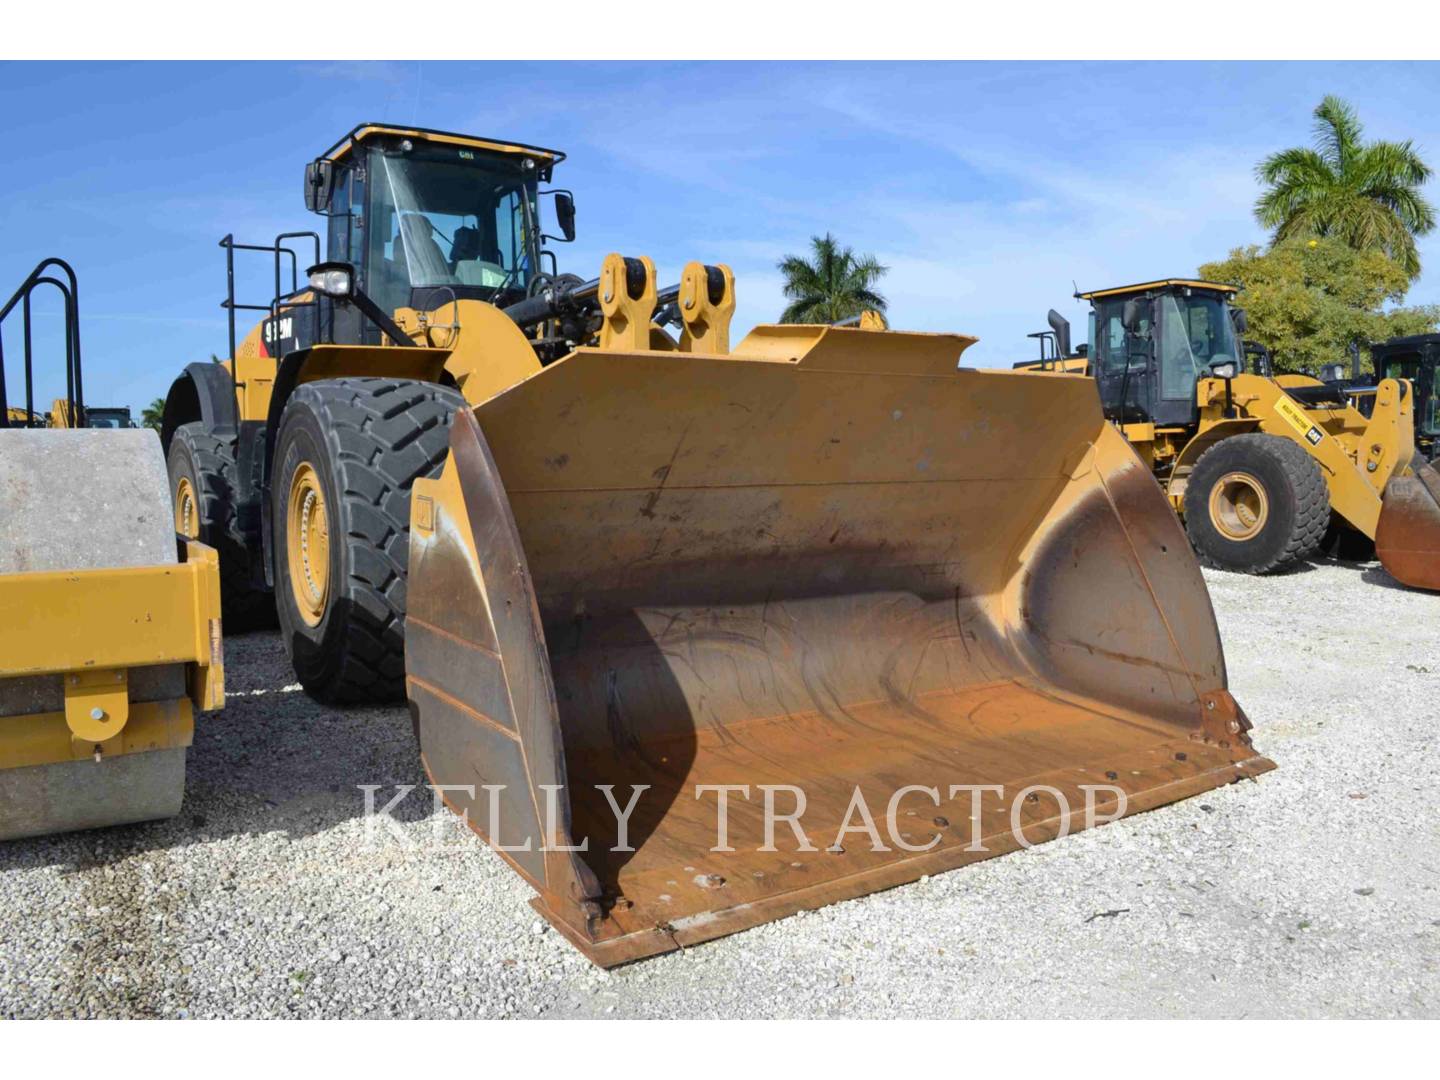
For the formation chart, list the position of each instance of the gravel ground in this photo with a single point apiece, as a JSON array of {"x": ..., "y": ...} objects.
[{"x": 1314, "y": 891}]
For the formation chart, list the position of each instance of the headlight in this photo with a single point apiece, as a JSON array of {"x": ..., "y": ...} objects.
[
  {"x": 332, "y": 279},
  {"x": 1224, "y": 371}
]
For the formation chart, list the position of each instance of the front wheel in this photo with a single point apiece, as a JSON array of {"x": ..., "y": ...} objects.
[
  {"x": 1255, "y": 503},
  {"x": 346, "y": 456}
]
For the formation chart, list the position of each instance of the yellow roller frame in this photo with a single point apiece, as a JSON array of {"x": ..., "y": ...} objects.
[{"x": 92, "y": 627}]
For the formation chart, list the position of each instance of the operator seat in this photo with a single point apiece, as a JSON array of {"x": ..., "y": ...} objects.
[{"x": 416, "y": 251}]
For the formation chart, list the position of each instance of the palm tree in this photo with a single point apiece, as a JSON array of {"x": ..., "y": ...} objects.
[
  {"x": 836, "y": 285},
  {"x": 1366, "y": 194},
  {"x": 153, "y": 414}
]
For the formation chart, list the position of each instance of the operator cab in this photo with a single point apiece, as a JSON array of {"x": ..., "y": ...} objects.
[
  {"x": 1416, "y": 358},
  {"x": 108, "y": 418},
  {"x": 1151, "y": 343},
  {"x": 427, "y": 217}
]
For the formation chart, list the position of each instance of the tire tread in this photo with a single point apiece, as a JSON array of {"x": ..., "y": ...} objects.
[
  {"x": 243, "y": 606},
  {"x": 383, "y": 435},
  {"x": 1312, "y": 498}
]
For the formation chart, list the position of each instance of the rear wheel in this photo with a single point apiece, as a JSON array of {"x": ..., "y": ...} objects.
[
  {"x": 202, "y": 493},
  {"x": 1255, "y": 503},
  {"x": 346, "y": 456}
]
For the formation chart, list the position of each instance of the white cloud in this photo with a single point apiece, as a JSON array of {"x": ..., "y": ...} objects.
[{"x": 993, "y": 267}]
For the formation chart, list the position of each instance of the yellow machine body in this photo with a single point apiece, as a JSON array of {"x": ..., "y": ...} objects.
[
  {"x": 62, "y": 415},
  {"x": 90, "y": 628},
  {"x": 1356, "y": 454}
]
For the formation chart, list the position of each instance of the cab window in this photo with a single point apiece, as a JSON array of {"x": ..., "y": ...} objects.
[
  {"x": 1107, "y": 336},
  {"x": 1195, "y": 332}
]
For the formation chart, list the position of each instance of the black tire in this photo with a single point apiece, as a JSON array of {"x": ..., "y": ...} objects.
[
  {"x": 367, "y": 440},
  {"x": 208, "y": 465},
  {"x": 1296, "y": 508}
]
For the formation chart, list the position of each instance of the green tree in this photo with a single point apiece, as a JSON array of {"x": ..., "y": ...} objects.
[
  {"x": 1365, "y": 194},
  {"x": 1307, "y": 301},
  {"x": 836, "y": 284},
  {"x": 153, "y": 414}
]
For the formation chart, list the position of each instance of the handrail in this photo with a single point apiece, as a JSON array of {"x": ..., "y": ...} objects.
[
  {"x": 277, "y": 249},
  {"x": 74, "y": 383}
]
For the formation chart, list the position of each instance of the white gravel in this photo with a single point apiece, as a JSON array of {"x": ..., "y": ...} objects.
[{"x": 1314, "y": 891}]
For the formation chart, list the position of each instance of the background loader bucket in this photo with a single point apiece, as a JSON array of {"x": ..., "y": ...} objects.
[
  {"x": 1407, "y": 539},
  {"x": 831, "y": 562}
]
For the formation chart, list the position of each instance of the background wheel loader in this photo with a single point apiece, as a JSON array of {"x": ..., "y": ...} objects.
[
  {"x": 1259, "y": 466},
  {"x": 1417, "y": 359},
  {"x": 596, "y": 553},
  {"x": 110, "y": 636},
  {"x": 62, "y": 415}
]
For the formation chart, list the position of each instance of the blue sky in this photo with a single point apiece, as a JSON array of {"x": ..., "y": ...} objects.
[{"x": 987, "y": 188}]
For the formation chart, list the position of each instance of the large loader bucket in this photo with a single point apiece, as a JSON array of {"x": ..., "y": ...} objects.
[
  {"x": 1407, "y": 539},
  {"x": 830, "y": 568}
]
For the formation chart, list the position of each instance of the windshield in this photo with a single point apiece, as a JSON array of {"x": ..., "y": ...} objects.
[
  {"x": 1427, "y": 388},
  {"x": 445, "y": 216},
  {"x": 107, "y": 418},
  {"x": 1195, "y": 332}
]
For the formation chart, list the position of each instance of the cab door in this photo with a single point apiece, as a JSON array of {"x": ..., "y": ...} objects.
[
  {"x": 1123, "y": 360},
  {"x": 1181, "y": 358}
]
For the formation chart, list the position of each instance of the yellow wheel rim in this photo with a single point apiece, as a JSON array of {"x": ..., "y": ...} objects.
[
  {"x": 1239, "y": 506},
  {"x": 187, "y": 513},
  {"x": 307, "y": 544}
]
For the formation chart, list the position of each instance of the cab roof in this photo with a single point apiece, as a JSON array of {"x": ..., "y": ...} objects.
[
  {"x": 1408, "y": 341},
  {"x": 363, "y": 132},
  {"x": 1150, "y": 286}
]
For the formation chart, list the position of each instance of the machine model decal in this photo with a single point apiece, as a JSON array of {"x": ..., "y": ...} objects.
[{"x": 1296, "y": 418}]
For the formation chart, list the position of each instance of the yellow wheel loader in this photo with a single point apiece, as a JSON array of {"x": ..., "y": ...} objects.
[
  {"x": 63, "y": 415},
  {"x": 110, "y": 638},
  {"x": 1259, "y": 466},
  {"x": 623, "y": 569}
]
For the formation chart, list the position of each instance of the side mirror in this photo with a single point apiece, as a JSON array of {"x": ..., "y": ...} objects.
[
  {"x": 1261, "y": 355},
  {"x": 565, "y": 214},
  {"x": 1242, "y": 323},
  {"x": 320, "y": 177},
  {"x": 1130, "y": 316},
  {"x": 1061, "y": 326}
]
